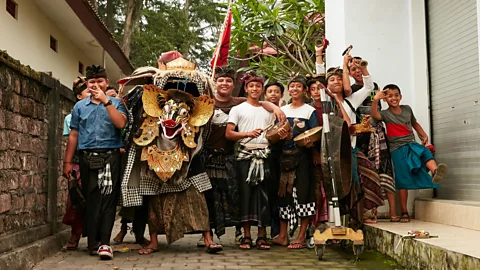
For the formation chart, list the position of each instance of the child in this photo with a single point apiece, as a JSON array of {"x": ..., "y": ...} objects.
[
  {"x": 411, "y": 160},
  {"x": 274, "y": 92},
  {"x": 252, "y": 160}
]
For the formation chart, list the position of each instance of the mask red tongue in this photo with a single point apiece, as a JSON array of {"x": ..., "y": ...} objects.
[{"x": 169, "y": 127}]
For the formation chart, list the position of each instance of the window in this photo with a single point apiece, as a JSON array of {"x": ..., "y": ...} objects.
[
  {"x": 12, "y": 8},
  {"x": 53, "y": 44},
  {"x": 80, "y": 68}
]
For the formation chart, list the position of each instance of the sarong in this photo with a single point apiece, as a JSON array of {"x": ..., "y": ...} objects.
[
  {"x": 300, "y": 201},
  {"x": 410, "y": 169},
  {"x": 177, "y": 213},
  {"x": 223, "y": 199},
  {"x": 74, "y": 215},
  {"x": 100, "y": 209},
  {"x": 379, "y": 154}
]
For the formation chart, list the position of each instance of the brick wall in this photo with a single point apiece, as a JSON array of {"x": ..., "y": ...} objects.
[{"x": 26, "y": 110}]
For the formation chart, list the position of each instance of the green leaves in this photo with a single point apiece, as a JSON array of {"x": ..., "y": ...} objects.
[{"x": 287, "y": 26}]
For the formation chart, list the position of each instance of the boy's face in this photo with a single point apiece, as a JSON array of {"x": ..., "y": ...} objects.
[
  {"x": 273, "y": 94},
  {"x": 335, "y": 84},
  {"x": 98, "y": 83},
  {"x": 224, "y": 86},
  {"x": 84, "y": 94},
  {"x": 315, "y": 90},
  {"x": 356, "y": 73},
  {"x": 254, "y": 90},
  {"x": 111, "y": 93},
  {"x": 295, "y": 89},
  {"x": 393, "y": 97}
]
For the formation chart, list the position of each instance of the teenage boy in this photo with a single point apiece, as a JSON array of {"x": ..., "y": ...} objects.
[
  {"x": 245, "y": 125},
  {"x": 96, "y": 133}
]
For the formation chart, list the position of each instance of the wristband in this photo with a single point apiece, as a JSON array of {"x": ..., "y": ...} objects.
[{"x": 67, "y": 162}]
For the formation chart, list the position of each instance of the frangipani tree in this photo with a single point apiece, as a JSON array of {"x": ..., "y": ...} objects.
[{"x": 277, "y": 37}]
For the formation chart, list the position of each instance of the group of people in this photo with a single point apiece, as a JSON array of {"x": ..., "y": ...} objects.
[{"x": 207, "y": 163}]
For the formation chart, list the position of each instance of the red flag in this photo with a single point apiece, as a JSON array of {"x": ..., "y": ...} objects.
[{"x": 224, "y": 47}]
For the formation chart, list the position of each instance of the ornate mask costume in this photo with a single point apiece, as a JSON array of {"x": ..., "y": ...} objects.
[{"x": 169, "y": 121}]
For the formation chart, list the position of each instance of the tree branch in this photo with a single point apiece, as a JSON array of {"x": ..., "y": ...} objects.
[
  {"x": 310, "y": 61},
  {"x": 287, "y": 53}
]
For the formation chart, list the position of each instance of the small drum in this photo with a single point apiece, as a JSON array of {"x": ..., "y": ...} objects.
[
  {"x": 315, "y": 134},
  {"x": 272, "y": 133}
]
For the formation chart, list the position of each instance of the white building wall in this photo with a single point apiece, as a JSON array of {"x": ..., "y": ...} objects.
[
  {"x": 27, "y": 39},
  {"x": 391, "y": 36}
]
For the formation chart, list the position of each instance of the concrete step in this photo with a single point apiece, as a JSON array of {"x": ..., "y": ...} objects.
[
  {"x": 464, "y": 214},
  {"x": 454, "y": 249}
]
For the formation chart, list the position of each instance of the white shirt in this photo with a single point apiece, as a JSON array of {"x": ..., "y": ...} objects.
[
  {"x": 356, "y": 99},
  {"x": 247, "y": 117}
]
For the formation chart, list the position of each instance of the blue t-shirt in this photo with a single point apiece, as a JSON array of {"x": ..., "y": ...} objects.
[
  {"x": 94, "y": 125},
  {"x": 307, "y": 117},
  {"x": 66, "y": 125}
]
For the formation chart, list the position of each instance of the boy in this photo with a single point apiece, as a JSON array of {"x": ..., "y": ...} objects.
[
  {"x": 252, "y": 160},
  {"x": 96, "y": 133},
  {"x": 74, "y": 216},
  {"x": 411, "y": 160},
  {"x": 274, "y": 92},
  {"x": 297, "y": 181}
]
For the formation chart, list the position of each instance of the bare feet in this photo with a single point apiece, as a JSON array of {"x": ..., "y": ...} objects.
[
  {"x": 280, "y": 241},
  {"x": 121, "y": 234}
]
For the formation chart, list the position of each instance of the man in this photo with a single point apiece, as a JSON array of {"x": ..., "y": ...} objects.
[
  {"x": 253, "y": 174},
  {"x": 96, "y": 133},
  {"x": 73, "y": 214},
  {"x": 223, "y": 198}
]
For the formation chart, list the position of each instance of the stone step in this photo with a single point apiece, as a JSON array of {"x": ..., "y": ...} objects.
[
  {"x": 455, "y": 248},
  {"x": 464, "y": 214}
]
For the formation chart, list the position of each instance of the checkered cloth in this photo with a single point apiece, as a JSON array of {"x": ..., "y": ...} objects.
[
  {"x": 105, "y": 182},
  {"x": 295, "y": 211},
  {"x": 256, "y": 172}
]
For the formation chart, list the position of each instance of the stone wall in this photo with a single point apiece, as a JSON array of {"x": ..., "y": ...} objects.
[{"x": 32, "y": 192}]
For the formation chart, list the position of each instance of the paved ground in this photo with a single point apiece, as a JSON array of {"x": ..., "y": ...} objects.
[{"x": 184, "y": 254}]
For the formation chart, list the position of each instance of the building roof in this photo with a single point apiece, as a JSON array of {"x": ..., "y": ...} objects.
[{"x": 91, "y": 19}]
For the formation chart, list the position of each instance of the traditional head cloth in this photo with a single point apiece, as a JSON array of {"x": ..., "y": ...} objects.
[
  {"x": 225, "y": 71},
  {"x": 96, "y": 71},
  {"x": 252, "y": 76},
  {"x": 298, "y": 78},
  {"x": 334, "y": 71},
  {"x": 311, "y": 79},
  {"x": 79, "y": 85}
]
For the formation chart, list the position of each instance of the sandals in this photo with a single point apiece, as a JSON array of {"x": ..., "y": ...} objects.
[
  {"x": 405, "y": 218},
  {"x": 262, "y": 243},
  {"x": 147, "y": 251},
  {"x": 395, "y": 219},
  {"x": 214, "y": 248},
  {"x": 297, "y": 245},
  {"x": 246, "y": 243},
  {"x": 71, "y": 245}
]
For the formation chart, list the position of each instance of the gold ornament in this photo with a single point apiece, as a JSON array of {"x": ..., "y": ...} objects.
[
  {"x": 188, "y": 135},
  {"x": 149, "y": 132},
  {"x": 181, "y": 63},
  {"x": 164, "y": 163},
  {"x": 203, "y": 110},
  {"x": 150, "y": 101}
]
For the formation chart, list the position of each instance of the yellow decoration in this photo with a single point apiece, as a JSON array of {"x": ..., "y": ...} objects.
[
  {"x": 203, "y": 110},
  {"x": 150, "y": 101},
  {"x": 164, "y": 163},
  {"x": 149, "y": 132},
  {"x": 188, "y": 135},
  {"x": 181, "y": 63}
]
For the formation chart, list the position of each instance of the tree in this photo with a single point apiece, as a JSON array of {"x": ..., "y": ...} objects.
[
  {"x": 289, "y": 28},
  {"x": 134, "y": 8}
]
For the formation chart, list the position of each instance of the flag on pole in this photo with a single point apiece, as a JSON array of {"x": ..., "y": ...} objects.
[{"x": 220, "y": 56}]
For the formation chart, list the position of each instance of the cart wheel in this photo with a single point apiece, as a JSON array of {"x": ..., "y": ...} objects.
[
  {"x": 319, "y": 249},
  {"x": 310, "y": 243},
  {"x": 358, "y": 251},
  {"x": 344, "y": 244}
]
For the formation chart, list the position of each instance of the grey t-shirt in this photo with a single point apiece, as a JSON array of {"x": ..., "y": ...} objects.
[{"x": 399, "y": 126}]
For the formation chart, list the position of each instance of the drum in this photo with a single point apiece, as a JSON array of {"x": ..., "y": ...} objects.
[
  {"x": 315, "y": 134},
  {"x": 272, "y": 133},
  {"x": 340, "y": 150}
]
